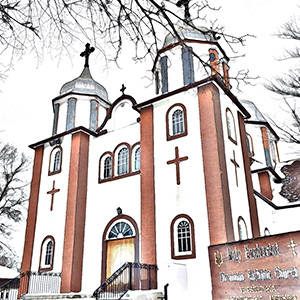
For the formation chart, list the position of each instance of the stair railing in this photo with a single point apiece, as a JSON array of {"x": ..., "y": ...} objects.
[{"x": 130, "y": 276}]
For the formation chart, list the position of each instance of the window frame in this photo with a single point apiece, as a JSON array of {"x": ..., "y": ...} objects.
[
  {"x": 122, "y": 161},
  {"x": 169, "y": 121},
  {"x": 231, "y": 131},
  {"x": 53, "y": 153},
  {"x": 43, "y": 267},
  {"x": 175, "y": 254}
]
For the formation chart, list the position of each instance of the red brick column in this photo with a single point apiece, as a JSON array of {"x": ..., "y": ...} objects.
[
  {"x": 250, "y": 193},
  {"x": 31, "y": 217},
  {"x": 148, "y": 236},
  {"x": 215, "y": 173},
  {"x": 75, "y": 216}
]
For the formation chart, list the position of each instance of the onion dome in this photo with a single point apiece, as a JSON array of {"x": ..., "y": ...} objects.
[
  {"x": 190, "y": 32},
  {"x": 256, "y": 115},
  {"x": 85, "y": 84}
]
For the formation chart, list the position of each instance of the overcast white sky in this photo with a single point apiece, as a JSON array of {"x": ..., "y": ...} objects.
[{"x": 25, "y": 98}]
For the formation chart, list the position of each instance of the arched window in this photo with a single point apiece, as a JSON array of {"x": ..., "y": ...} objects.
[
  {"x": 47, "y": 254},
  {"x": 249, "y": 144},
  {"x": 182, "y": 238},
  {"x": 123, "y": 161},
  {"x": 267, "y": 231},
  {"x": 107, "y": 167},
  {"x": 231, "y": 131},
  {"x": 55, "y": 161},
  {"x": 49, "y": 251},
  {"x": 176, "y": 121},
  {"x": 137, "y": 159},
  {"x": 120, "y": 230},
  {"x": 242, "y": 227}
]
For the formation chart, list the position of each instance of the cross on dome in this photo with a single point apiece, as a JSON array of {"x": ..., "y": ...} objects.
[
  {"x": 185, "y": 3},
  {"x": 88, "y": 50}
]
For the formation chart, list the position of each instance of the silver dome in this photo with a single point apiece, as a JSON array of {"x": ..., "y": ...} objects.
[
  {"x": 85, "y": 85},
  {"x": 190, "y": 33}
]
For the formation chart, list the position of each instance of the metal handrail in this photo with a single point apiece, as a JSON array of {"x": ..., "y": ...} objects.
[{"x": 128, "y": 277}]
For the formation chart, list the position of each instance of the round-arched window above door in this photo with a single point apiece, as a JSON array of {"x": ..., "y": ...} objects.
[{"x": 119, "y": 230}]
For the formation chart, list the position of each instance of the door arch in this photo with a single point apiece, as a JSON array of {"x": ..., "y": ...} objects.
[{"x": 120, "y": 242}]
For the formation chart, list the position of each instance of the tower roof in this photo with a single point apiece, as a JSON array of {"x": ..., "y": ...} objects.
[
  {"x": 190, "y": 32},
  {"x": 85, "y": 84}
]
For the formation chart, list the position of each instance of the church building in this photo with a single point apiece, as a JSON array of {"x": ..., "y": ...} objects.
[{"x": 127, "y": 194}]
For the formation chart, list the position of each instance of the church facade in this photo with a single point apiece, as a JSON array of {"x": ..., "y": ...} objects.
[{"x": 153, "y": 182}]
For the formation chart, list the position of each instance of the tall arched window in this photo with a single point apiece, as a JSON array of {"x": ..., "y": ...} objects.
[
  {"x": 176, "y": 121},
  {"x": 182, "y": 238},
  {"x": 107, "y": 167},
  {"x": 137, "y": 159},
  {"x": 242, "y": 227},
  {"x": 123, "y": 161},
  {"x": 55, "y": 161},
  {"x": 249, "y": 144},
  {"x": 47, "y": 254},
  {"x": 231, "y": 130}
]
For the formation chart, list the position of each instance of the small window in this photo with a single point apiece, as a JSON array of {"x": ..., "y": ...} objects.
[
  {"x": 47, "y": 254},
  {"x": 182, "y": 238},
  {"x": 55, "y": 161},
  {"x": 243, "y": 232},
  {"x": 176, "y": 122},
  {"x": 123, "y": 161},
  {"x": 231, "y": 131},
  {"x": 137, "y": 159}
]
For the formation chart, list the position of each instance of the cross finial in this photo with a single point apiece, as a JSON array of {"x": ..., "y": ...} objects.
[
  {"x": 185, "y": 3},
  {"x": 123, "y": 88},
  {"x": 88, "y": 50}
]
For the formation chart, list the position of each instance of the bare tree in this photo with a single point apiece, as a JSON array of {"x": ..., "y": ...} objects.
[
  {"x": 34, "y": 25},
  {"x": 13, "y": 196},
  {"x": 288, "y": 85}
]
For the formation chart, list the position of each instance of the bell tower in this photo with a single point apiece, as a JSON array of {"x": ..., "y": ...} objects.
[{"x": 82, "y": 101}]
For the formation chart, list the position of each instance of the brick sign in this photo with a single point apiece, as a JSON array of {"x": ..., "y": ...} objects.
[{"x": 266, "y": 268}]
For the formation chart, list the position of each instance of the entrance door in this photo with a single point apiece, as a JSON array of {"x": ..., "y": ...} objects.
[{"x": 118, "y": 252}]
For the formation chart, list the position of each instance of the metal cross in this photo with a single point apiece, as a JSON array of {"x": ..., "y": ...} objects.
[
  {"x": 123, "y": 88},
  {"x": 292, "y": 245},
  {"x": 176, "y": 161},
  {"x": 236, "y": 165},
  {"x": 52, "y": 192},
  {"x": 88, "y": 50},
  {"x": 185, "y": 3}
]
